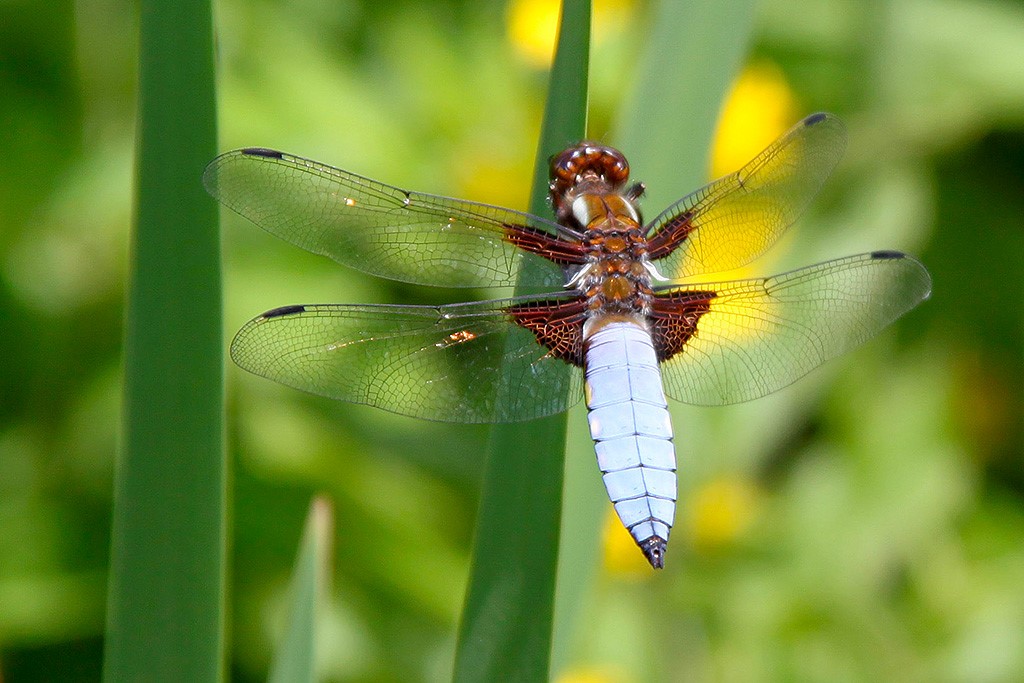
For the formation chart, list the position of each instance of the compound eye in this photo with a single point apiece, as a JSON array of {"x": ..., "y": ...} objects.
[
  {"x": 618, "y": 168},
  {"x": 602, "y": 160},
  {"x": 565, "y": 166}
]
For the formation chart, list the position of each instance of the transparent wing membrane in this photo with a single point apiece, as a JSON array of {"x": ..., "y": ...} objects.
[
  {"x": 513, "y": 359},
  {"x": 735, "y": 219},
  {"x": 456, "y": 363},
  {"x": 377, "y": 228},
  {"x": 761, "y": 335}
]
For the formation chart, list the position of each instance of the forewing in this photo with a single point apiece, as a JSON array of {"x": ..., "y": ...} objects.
[
  {"x": 376, "y": 228},
  {"x": 733, "y": 220},
  {"x": 457, "y": 363},
  {"x": 757, "y": 336}
]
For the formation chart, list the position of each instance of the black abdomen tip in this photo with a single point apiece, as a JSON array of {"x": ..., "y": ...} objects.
[
  {"x": 885, "y": 254},
  {"x": 262, "y": 152},
  {"x": 654, "y": 550},
  {"x": 283, "y": 311}
]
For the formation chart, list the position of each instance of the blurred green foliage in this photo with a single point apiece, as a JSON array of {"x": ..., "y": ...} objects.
[{"x": 881, "y": 499}]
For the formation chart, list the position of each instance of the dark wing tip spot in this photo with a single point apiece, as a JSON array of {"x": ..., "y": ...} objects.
[
  {"x": 263, "y": 152},
  {"x": 654, "y": 550},
  {"x": 887, "y": 254},
  {"x": 283, "y": 311},
  {"x": 815, "y": 118}
]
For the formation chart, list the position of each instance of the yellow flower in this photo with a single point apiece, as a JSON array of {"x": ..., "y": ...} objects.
[
  {"x": 589, "y": 675},
  {"x": 622, "y": 557},
  {"x": 532, "y": 25},
  {"x": 719, "y": 511},
  {"x": 759, "y": 108}
]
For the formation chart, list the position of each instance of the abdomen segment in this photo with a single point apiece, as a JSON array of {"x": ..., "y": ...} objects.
[{"x": 630, "y": 425}]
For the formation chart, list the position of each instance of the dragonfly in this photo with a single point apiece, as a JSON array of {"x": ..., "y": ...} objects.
[{"x": 607, "y": 308}]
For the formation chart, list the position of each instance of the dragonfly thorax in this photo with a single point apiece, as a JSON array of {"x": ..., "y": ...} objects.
[{"x": 618, "y": 277}]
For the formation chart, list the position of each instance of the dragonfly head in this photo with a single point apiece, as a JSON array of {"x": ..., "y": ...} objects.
[{"x": 586, "y": 167}]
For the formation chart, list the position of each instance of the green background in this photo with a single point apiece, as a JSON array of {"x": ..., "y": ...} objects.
[{"x": 884, "y": 535}]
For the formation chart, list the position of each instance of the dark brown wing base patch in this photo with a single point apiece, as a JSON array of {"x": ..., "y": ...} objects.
[
  {"x": 561, "y": 251},
  {"x": 671, "y": 236},
  {"x": 674, "y": 319},
  {"x": 557, "y": 326}
]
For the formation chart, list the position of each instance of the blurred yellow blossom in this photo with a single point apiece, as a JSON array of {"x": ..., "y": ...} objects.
[
  {"x": 759, "y": 108},
  {"x": 502, "y": 179},
  {"x": 589, "y": 675},
  {"x": 531, "y": 25},
  {"x": 719, "y": 511},
  {"x": 713, "y": 516},
  {"x": 622, "y": 557}
]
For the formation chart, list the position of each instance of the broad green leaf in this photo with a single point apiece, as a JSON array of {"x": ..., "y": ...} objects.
[
  {"x": 165, "y": 616},
  {"x": 506, "y": 628}
]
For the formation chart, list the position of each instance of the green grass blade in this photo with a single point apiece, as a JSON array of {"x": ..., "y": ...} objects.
[
  {"x": 296, "y": 659},
  {"x": 165, "y": 616},
  {"x": 565, "y": 115},
  {"x": 506, "y": 627},
  {"x": 695, "y": 49}
]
